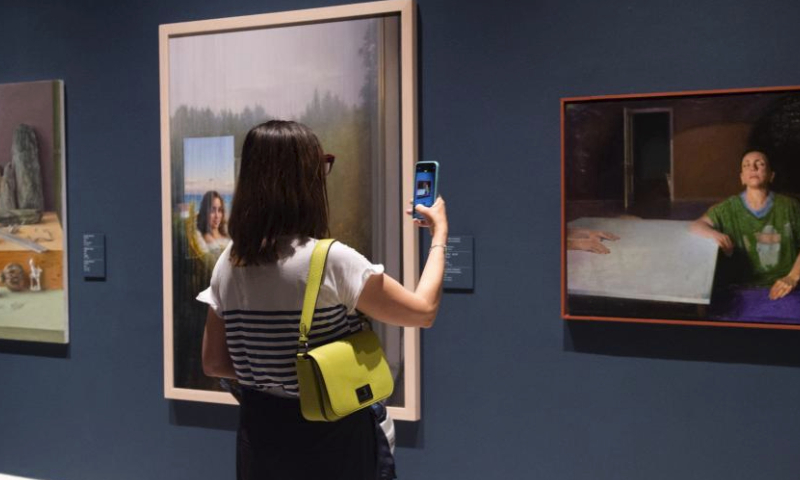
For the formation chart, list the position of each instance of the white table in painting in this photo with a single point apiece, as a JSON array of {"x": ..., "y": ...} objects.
[{"x": 655, "y": 260}]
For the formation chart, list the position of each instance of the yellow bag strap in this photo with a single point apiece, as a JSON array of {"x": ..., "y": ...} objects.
[{"x": 315, "y": 274}]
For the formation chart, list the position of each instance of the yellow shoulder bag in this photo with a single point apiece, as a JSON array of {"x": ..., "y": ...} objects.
[{"x": 341, "y": 377}]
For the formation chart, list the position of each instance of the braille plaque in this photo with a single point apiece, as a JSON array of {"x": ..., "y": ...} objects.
[{"x": 94, "y": 256}]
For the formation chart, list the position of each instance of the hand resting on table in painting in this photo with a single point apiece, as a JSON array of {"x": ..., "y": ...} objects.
[
  {"x": 589, "y": 240},
  {"x": 782, "y": 287},
  {"x": 785, "y": 285}
]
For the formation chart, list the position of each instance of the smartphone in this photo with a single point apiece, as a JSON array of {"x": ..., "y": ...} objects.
[{"x": 426, "y": 181}]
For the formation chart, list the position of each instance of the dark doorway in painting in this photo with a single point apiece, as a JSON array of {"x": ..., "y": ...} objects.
[{"x": 649, "y": 163}]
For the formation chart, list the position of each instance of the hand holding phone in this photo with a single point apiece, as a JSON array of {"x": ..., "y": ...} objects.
[
  {"x": 434, "y": 218},
  {"x": 426, "y": 195}
]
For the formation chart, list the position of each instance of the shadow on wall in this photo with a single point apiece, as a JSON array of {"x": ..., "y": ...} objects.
[
  {"x": 226, "y": 418},
  {"x": 678, "y": 342},
  {"x": 35, "y": 349},
  {"x": 204, "y": 415}
]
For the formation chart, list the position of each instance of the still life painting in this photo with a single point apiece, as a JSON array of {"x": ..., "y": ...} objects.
[{"x": 33, "y": 262}]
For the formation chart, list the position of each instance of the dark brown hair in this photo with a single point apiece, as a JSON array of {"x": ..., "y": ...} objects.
[
  {"x": 205, "y": 207},
  {"x": 280, "y": 191}
]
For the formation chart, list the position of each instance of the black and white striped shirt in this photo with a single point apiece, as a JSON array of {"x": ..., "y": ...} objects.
[
  {"x": 261, "y": 307},
  {"x": 263, "y": 344}
]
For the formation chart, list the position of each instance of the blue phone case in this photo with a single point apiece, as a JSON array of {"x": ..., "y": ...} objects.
[{"x": 426, "y": 185}]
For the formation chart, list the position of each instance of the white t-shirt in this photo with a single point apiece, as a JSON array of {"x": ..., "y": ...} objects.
[{"x": 261, "y": 307}]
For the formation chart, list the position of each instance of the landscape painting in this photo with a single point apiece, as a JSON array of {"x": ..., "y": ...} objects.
[
  {"x": 682, "y": 207},
  {"x": 33, "y": 261},
  {"x": 339, "y": 76}
]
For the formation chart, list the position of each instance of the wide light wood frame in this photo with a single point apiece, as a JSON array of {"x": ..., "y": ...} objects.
[
  {"x": 654, "y": 96},
  {"x": 405, "y": 10}
]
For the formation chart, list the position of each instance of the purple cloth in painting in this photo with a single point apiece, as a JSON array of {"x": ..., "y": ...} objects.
[{"x": 754, "y": 305}]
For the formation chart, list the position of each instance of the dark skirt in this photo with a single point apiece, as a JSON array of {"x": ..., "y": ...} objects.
[{"x": 276, "y": 442}]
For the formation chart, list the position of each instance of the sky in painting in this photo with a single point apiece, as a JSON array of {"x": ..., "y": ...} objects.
[
  {"x": 277, "y": 68},
  {"x": 208, "y": 164}
]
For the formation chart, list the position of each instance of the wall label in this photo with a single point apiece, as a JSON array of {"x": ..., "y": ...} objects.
[{"x": 94, "y": 256}]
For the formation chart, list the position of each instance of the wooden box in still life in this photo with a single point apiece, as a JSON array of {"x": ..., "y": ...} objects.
[{"x": 33, "y": 287}]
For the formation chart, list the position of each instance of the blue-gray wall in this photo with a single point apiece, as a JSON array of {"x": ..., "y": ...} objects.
[{"x": 509, "y": 390}]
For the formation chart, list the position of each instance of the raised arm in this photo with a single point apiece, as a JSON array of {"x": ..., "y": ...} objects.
[
  {"x": 386, "y": 300},
  {"x": 704, "y": 227}
]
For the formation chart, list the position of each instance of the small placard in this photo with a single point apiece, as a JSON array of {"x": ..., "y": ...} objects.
[
  {"x": 94, "y": 256},
  {"x": 460, "y": 266},
  {"x": 459, "y": 262}
]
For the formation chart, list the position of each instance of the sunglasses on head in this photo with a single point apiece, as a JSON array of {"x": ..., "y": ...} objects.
[{"x": 328, "y": 159}]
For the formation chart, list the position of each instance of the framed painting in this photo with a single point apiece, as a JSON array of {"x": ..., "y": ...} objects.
[
  {"x": 33, "y": 213},
  {"x": 348, "y": 72},
  {"x": 682, "y": 207}
]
